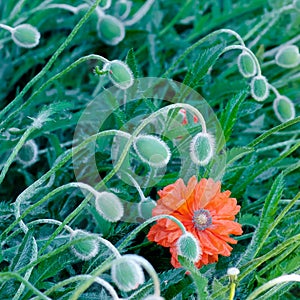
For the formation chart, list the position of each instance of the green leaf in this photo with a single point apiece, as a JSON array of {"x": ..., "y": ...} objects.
[
  {"x": 230, "y": 113},
  {"x": 237, "y": 153},
  {"x": 199, "y": 280},
  {"x": 132, "y": 64}
]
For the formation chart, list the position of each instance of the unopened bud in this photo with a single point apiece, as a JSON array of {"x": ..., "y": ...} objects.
[
  {"x": 297, "y": 5},
  {"x": 127, "y": 274},
  {"x": 105, "y": 4},
  {"x": 25, "y": 35},
  {"x": 109, "y": 206},
  {"x": 288, "y": 57},
  {"x": 86, "y": 249},
  {"x": 246, "y": 65},
  {"x": 119, "y": 73},
  {"x": 152, "y": 150},
  {"x": 233, "y": 274},
  {"x": 188, "y": 247},
  {"x": 145, "y": 208},
  {"x": 123, "y": 8},
  {"x": 110, "y": 30},
  {"x": 259, "y": 88},
  {"x": 202, "y": 148},
  {"x": 153, "y": 297},
  {"x": 284, "y": 108},
  {"x": 28, "y": 154}
]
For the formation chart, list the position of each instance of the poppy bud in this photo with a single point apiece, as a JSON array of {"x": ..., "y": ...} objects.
[
  {"x": 109, "y": 206},
  {"x": 119, "y": 73},
  {"x": 127, "y": 274},
  {"x": 28, "y": 154},
  {"x": 25, "y": 35},
  {"x": 288, "y": 56},
  {"x": 233, "y": 274},
  {"x": 152, "y": 150},
  {"x": 105, "y": 4},
  {"x": 110, "y": 30},
  {"x": 123, "y": 8},
  {"x": 145, "y": 208},
  {"x": 246, "y": 65},
  {"x": 284, "y": 108},
  {"x": 86, "y": 249},
  {"x": 259, "y": 88},
  {"x": 297, "y": 5},
  {"x": 188, "y": 247},
  {"x": 202, "y": 148}
]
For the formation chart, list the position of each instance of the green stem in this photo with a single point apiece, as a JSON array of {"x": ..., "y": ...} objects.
[
  {"x": 36, "y": 78},
  {"x": 232, "y": 290}
]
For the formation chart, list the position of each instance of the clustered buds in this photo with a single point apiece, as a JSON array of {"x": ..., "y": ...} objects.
[
  {"x": 127, "y": 274},
  {"x": 119, "y": 73},
  {"x": 85, "y": 249},
  {"x": 259, "y": 88},
  {"x": 202, "y": 148},
  {"x": 188, "y": 247},
  {"x": 109, "y": 206},
  {"x": 288, "y": 57},
  {"x": 284, "y": 108},
  {"x": 152, "y": 150},
  {"x": 246, "y": 65}
]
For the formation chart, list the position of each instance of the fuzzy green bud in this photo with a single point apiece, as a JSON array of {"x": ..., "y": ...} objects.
[
  {"x": 152, "y": 150},
  {"x": 297, "y": 5},
  {"x": 119, "y": 73},
  {"x": 86, "y": 249},
  {"x": 284, "y": 108},
  {"x": 246, "y": 65},
  {"x": 202, "y": 148},
  {"x": 28, "y": 154},
  {"x": 110, "y": 30},
  {"x": 288, "y": 57},
  {"x": 25, "y": 35},
  {"x": 188, "y": 247},
  {"x": 109, "y": 206},
  {"x": 145, "y": 208},
  {"x": 259, "y": 88},
  {"x": 127, "y": 274}
]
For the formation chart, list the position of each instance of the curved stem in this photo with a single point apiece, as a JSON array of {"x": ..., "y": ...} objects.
[
  {"x": 148, "y": 267},
  {"x": 6, "y": 27},
  {"x": 197, "y": 44},
  {"x": 137, "y": 186},
  {"x": 274, "y": 90},
  {"x": 238, "y": 47},
  {"x": 49, "y": 81},
  {"x": 36, "y": 78},
  {"x": 109, "y": 245},
  {"x": 140, "y": 13},
  {"x": 72, "y": 9}
]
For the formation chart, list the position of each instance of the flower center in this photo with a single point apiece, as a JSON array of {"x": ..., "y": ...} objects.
[{"x": 202, "y": 219}]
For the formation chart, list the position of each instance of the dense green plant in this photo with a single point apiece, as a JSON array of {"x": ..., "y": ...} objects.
[{"x": 98, "y": 81}]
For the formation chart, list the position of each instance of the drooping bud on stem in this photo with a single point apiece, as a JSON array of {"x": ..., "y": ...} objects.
[{"x": 259, "y": 88}]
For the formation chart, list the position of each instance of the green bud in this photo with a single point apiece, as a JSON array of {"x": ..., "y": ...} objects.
[
  {"x": 246, "y": 65},
  {"x": 188, "y": 247},
  {"x": 105, "y": 4},
  {"x": 28, "y": 154},
  {"x": 284, "y": 108},
  {"x": 297, "y": 5},
  {"x": 152, "y": 150},
  {"x": 288, "y": 57},
  {"x": 145, "y": 208},
  {"x": 119, "y": 73},
  {"x": 153, "y": 297},
  {"x": 123, "y": 8},
  {"x": 110, "y": 30},
  {"x": 25, "y": 35},
  {"x": 202, "y": 148},
  {"x": 109, "y": 206},
  {"x": 127, "y": 274},
  {"x": 259, "y": 88},
  {"x": 87, "y": 249}
]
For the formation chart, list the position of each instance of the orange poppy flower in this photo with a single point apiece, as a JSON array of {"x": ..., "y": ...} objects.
[{"x": 204, "y": 210}]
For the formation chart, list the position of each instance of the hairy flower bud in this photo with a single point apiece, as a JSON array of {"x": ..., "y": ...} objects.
[
  {"x": 145, "y": 208},
  {"x": 152, "y": 150},
  {"x": 127, "y": 274},
  {"x": 86, "y": 249},
  {"x": 259, "y": 88},
  {"x": 288, "y": 56},
  {"x": 284, "y": 108},
  {"x": 246, "y": 65},
  {"x": 25, "y": 35},
  {"x": 110, "y": 30},
  {"x": 188, "y": 247},
  {"x": 296, "y": 4},
  {"x": 109, "y": 206},
  {"x": 28, "y": 154},
  {"x": 119, "y": 73},
  {"x": 202, "y": 148}
]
